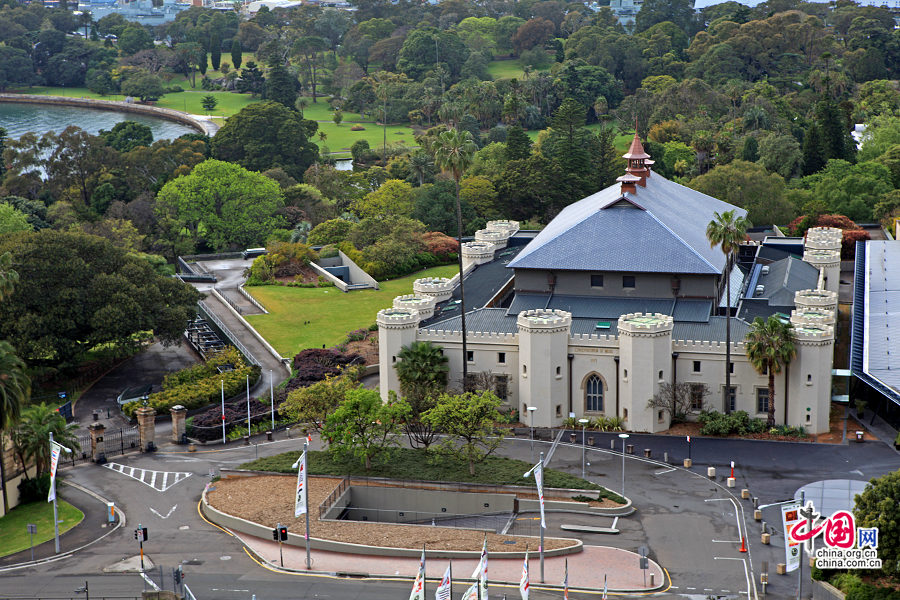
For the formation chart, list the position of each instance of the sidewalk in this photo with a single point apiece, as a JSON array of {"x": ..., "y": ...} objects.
[{"x": 586, "y": 569}]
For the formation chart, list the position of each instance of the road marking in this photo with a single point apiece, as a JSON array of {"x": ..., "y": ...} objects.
[
  {"x": 223, "y": 590},
  {"x": 737, "y": 520},
  {"x": 746, "y": 573},
  {"x": 690, "y": 588},
  {"x": 150, "y": 581},
  {"x": 167, "y": 515},
  {"x": 664, "y": 472},
  {"x": 164, "y": 483}
]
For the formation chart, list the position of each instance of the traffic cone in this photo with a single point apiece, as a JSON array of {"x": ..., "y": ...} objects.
[{"x": 743, "y": 544}]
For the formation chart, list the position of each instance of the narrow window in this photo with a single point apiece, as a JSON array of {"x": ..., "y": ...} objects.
[
  {"x": 593, "y": 394},
  {"x": 659, "y": 417},
  {"x": 762, "y": 400},
  {"x": 628, "y": 281},
  {"x": 596, "y": 280},
  {"x": 625, "y": 415},
  {"x": 809, "y": 378},
  {"x": 696, "y": 396},
  {"x": 626, "y": 373},
  {"x": 696, "y": 366},
  {"x": 393, "y": 359},
  {"x": 732, "y": 398},
  {"x": 731, "y": 368},
  {"x": 660, "y": 375},
  {"x": 808, "y": 418},
  {"x": 524, "y": 370},
  {"x": 557, "y": 370},
  {"x": 501, "y": 357},
  {"x": 470, "y": 355},
  {"x": 559, "y": 410},
  {"x": 501, "y": 386}
]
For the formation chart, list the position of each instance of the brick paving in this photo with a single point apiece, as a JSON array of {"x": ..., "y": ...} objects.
[{"x": 586, "y": 568}]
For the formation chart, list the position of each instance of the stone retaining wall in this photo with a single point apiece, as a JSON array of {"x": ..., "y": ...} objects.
[{"x": 155, "y": 111}]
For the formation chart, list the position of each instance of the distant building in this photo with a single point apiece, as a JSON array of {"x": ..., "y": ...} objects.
[
  {"x": 141, "y": 11},
  {"x": 621, "y": 293}
]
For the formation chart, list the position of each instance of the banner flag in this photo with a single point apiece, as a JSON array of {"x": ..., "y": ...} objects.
[
  {"x": 523, "y": 583},
  {"x": 790, "y": 515},
  {"x": 566, "y": 581},
  {"x": 604, "y": 588},
  {"x": 300, "y": 503},
  {"x": 55, "y": 450},
  {"x": 481, "y": 571},
  {"x": 443, "y": 590},
  {"x": 471, "y": 593},
  {"x": 418, "y": 591},
  {"x": 539, "y": 480}
]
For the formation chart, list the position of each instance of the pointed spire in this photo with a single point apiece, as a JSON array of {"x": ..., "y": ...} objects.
[
  {"x": 636, "y": 151},
  {"x": 638, "y": 164}
]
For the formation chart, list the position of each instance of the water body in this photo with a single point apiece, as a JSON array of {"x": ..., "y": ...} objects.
[{"x": 19, "y": 119}]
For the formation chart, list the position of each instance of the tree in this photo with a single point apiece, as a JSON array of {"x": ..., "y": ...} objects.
[
  {"x": 393, "y": 198},
  {"x": 280, "y": 86},
  {"x": 12, "y": 220},
  {"x": 333, "y": 231},
  {"x": 751, "y": 187},
  {"x": 479, "y": 193},
  {"x": 879, "y": 506},
  {"x": 77, "y": 292},
  {"x": 468, "y": 422},
  {"x": 424, "y": 49},
  {"x": 128, "y": 135},
  {"x": 15, "y": 392},
  {"x": 230, "y": 206},
  {"x": 313, "y": 404},
  {"x": 9, "y": 277},
  {"x": 363, "y": 426},
  {"x": 309, "y": 49},
  {"x": 236, "y": 54},
  {"x": 679, "y": 399},
  {"x": 518, "y": 145},
  {"x": 435, "y": 206},
  {"x": 769, "y": 346},
  {"x": 144, "y": 86},
  {"x": 251, "y": 80},
  {"x": 16, "y": 68},
  {"x": 332, "y": 25},
  {"x": 265, "y": 135},
  {"x": 454, "y": 151},
  {"x": 31, "y": 438},
  {"x": 134, "y": 39},
  {"x": 679, "y": 12},
  {"x": 534, "y": 33},
  {"x": 209, "y": 103},
  {"x": 422, "y": 370},
  {"x": 727, "y": 230},
  {"x": 813, "y": 152},
  {"x": 215, "y": 48}
]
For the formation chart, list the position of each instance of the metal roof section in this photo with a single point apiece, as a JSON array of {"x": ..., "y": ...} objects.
[
  {"x": 692, "y": 311},
  {"x": 603, "y": 308},
  {"x": 713, "y": 331},
  {"x": 874, "y": 357},
  {"x": 738, "y": 275},
  {"x": 493, "y": 320},
  {"x": 660, "y": 236}
]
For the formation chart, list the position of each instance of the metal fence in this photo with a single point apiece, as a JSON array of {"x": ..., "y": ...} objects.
[
  {"x": 333, "y": 497},
  {"x": 495, "y": 522},
  {"x": 115, "y": 443}
]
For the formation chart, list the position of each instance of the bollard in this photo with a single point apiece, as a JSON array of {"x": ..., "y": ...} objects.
[
  {"x": 629, "y": 449},
  {"x": 757, "y": 515},
  {"x": 591, "y": 441},
  {"x": 246, "y": 440},
  {"x": 765, "y": 538},
  {"x": 646, "y": 452},
  {"x": 687, "y": 463},
  {"x": 268, "y": 436},
  {"x": 612, "y": 444},
  {"x": 781, "y": 568},
  {"x": 192, "y": 447},
  {"x": 572, "y": 437},
  {"x": 731, "y": 482},
  {"x": 652, "y": 577},
  {"x": 764, "y": 528},
  {"x": 755, "y": 502},
  {"x": 666, "y": 457},
  {"x": 745, "y": 494},
  {"x": 710, "y": 472}
]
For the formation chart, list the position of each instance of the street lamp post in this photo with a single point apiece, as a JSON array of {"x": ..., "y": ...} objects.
[
  {"x": 531, "y": 409},
  {"x": 624, "y": 437},
  {"x": 584, "y": 423}
]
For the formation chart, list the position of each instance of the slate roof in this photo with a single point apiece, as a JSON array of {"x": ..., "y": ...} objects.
[
  {"x": 785, "y": 278},
  {"x": 661, "y": 228},
  {"x": 604, "y": 308}
]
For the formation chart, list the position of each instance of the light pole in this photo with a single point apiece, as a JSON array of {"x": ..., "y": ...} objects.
[
  {"x": 584, "y": 423},
  {"x": 624, "y": 437},
  {"x": 531, "y": 409}
]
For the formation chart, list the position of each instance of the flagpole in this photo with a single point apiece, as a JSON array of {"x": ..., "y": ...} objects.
[
  {"x": 424, "y": 576},
  {"x": 451, "y": 579},
  {"x": 306, "y": 503},
  {"x": 542, "y": 523}
]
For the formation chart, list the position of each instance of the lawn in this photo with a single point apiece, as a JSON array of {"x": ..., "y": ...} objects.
[
  {"x": 302, "y": 318},
  {"x": 405, "y": 463},
  {"x": 501, "y": 69},
  {"x": 14, "y": 535}
]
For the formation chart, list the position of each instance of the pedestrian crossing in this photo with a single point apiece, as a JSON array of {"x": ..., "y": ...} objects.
[{"x": 158, "y": 480}]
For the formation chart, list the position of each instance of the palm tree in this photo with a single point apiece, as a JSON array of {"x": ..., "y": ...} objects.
[
  {"x": 420, "y": 164},
  {"x": 301, "y": 104},
  {"x": 727, "y": 231},
  {"x": 770, "y": 344},
  {"x": 31, "y": 439},
  {"x": 422, "y": 370},
  {"x": 454, "y": 151},
  {"x": 15, "y": 390}
]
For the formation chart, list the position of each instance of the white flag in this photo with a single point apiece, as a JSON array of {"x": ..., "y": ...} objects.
[
  {"x": 443, "y": 590},
  {"x": 539, "y": 480},
  {"x": 418, "y": 591},
  {"x": 300, "y": 503},
  {"x": 523, "y": 583},
  {"x": 481, "y": 571},
  {"x": 471, "y": 593},
  {"x": 566, "y": 581},
  {"x": 55, "y": 450},
  {"x": 604, "y": 587}
]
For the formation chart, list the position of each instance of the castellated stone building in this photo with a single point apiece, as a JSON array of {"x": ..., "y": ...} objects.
[{"x": 620, "y": 293}]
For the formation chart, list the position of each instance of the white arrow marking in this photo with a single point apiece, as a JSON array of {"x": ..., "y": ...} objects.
[{"x": 167, "y": 516}]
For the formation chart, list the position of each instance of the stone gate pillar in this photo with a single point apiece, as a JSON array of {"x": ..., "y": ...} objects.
[
  {"x": 98, "y": 451},
  {"x": 179, "y": 414},
  {"x": 146, "y": 417}
]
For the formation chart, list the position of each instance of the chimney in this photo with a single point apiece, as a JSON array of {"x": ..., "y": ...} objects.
[{"x": 628, "y": 182}]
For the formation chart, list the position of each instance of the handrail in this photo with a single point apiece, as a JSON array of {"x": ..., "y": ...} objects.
[
  {"x": 222, "y": 296},
  {"x": 252, "y": 300},
  {"x": 333, "y": 496},
  {"x": 231, "y": 337}
]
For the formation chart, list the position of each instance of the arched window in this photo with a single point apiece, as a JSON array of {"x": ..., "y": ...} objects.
[{"x": 593, "y": 394}]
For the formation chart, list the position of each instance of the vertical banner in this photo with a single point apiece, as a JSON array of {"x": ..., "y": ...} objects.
[
  {"x": 481, "y": 571},
  {"x": 471, "y": 593},
  {"x": 300, "y": 503},
  {"x": 539, "y": 480},
  {"x": 55, "y": 450},
  {"x": 523, "y": 582},
  {"x": 443, "y": 590},
  {"x": 418, "y": 591},
  {"x": 604, "y": 588},
  {"x": 566, "y": 581},
  {"x": 790, "y": 516}
]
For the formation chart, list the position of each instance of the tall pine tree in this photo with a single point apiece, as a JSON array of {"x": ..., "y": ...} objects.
[
  {"x": 215, "y": 49},
  {"x": 236, "y": 56},
  {"x": 518, "y": 146},
  {"x": 813, "y": 151},
  {"x": 833, "y": 130},
  {"x": 750, "y": 151},
  {"x": 280, "y": 85}
]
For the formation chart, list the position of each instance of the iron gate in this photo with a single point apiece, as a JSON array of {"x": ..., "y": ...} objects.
[{"x": 115, "y": 443}]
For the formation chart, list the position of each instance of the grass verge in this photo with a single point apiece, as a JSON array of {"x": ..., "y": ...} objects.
[
  {"x": 406, "y": 463},
  {"x": 14, "y": 535},
  {"x": 302, "y": 318}
]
